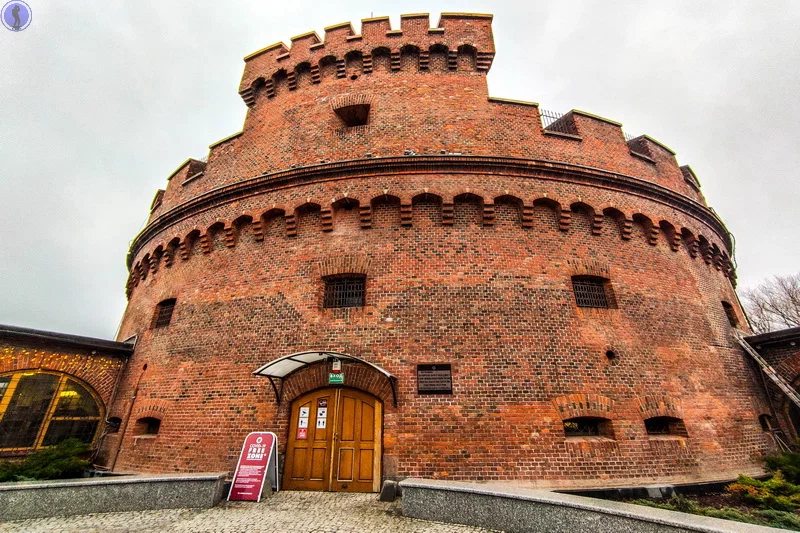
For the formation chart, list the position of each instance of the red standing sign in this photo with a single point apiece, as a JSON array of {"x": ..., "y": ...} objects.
[{"x": 258, "y": 453}]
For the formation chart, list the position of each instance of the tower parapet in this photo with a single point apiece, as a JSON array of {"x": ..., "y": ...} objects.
[{"x": 342, "y": 47}]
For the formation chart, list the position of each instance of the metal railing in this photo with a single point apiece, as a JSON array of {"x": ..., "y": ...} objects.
[{"x": 557, "y": 122}]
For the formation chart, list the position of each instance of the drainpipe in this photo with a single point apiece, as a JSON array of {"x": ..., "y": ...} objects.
[
  {"x": 111, "y": 403},
  {"x": 124, "y": 428}
]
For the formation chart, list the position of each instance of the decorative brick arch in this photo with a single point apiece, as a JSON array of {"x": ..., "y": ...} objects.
[
  {"x": 581, "y": 267},
  {"x": 344, "y": 264},
  {"x": 98, "y": 371},
  {"x": 151, "y": 409},
  {"x": 658, "y": 405},
  {"x": 348, "y": 100},
  {"x": 358, "y": 376},
  {"x": 583, "y": 405}
]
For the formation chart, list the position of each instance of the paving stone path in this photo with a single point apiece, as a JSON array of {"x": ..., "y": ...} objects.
[{"x": 289, "y": 511}]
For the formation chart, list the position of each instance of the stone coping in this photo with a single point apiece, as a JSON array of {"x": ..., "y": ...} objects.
[
  {"x": 703, "y": 524},
  {"x": 110, "y": 480}
]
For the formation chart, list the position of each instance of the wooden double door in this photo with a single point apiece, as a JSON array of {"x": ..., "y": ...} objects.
[{"x": 334, "y": 442}]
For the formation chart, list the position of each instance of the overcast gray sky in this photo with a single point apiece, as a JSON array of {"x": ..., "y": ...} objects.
[{"x": 100, "y": 101}]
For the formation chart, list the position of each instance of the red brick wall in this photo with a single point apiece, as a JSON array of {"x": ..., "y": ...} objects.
[
  {"x": 98, "y": 370},
  {"x": 468, "y": 261}
]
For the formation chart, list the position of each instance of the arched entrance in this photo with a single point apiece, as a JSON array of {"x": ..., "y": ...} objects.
[{"x": 334, "y": 441}]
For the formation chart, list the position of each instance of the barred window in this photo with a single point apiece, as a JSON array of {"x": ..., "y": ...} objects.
[
  {"x": 39, "y": 409},
  {"x": 163, "y": 314},
  {"x": 344, "y": 291},
  {"x": 592, "y": 292}
]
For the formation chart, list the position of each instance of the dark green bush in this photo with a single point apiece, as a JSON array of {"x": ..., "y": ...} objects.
[
  {"x": 776, "y": 493},
  {"x": 8, "y": 471},
  {"x": 56, "y": 462},
  {"x": 730, "y": 513},
  {"x": 780, "y": 519},
  {"x": 788, "y": 463},
  {"x": 684, "y": 504}
]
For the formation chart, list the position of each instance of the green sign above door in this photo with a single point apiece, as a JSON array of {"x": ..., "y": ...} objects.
[{"x": 336, "y": 379}]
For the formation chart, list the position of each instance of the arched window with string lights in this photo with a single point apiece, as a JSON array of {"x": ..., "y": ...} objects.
[{"x": 42, "y": 408}]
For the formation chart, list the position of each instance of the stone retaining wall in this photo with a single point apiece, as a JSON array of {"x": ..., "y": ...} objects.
[
  {"x": 535, "y": 511},
  {"x": 20, "y": 501}
]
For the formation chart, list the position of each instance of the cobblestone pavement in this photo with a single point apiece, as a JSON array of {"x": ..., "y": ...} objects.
[{"x": 288, "y": 511}]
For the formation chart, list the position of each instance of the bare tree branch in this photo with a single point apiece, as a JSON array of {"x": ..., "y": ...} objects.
[{"x": 774, "y": 304}]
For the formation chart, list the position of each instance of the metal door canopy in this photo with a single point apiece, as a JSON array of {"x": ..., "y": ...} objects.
[{"x": 283, "y": 367}]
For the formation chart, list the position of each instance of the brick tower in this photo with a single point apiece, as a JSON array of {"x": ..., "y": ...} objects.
[{"x": 381, "y": 211}]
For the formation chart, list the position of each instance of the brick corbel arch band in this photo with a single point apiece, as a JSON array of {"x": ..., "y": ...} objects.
[{"x": 358, "y": 376}]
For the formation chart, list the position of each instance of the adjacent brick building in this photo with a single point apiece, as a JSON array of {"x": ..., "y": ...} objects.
[
  {"x": 781, "y": 350},
  {"x": 381, "y": 210},
  {"x": 55, "y": 386}
]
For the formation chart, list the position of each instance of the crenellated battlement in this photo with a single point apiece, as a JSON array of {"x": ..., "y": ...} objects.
[{"x": 343, "y": 53}]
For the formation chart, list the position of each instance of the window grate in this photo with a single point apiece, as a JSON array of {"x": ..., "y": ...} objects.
[
  {"x": 582, "y": 427},
  {"x": 590, "y": 292},
  {"x": 164, "y": 313},
  {"x": 344, "y": 292}
]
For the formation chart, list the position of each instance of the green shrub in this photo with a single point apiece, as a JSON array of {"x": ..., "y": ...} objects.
[
  {"x": 776, "y": 493},
  {"x": 788, "y": 463},
  {"x": 683, "y": 504},
  {"x": 56, "y": 462},
  {"x": 9, "y": 471},
  {"x": 651, "y": 503},
  {"x": 730, "y": 513},
  {"x": 780, "y": 519}
]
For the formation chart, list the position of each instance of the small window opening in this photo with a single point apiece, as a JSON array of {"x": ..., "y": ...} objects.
[
  {"x": 147, "y": 426},
  {"x": 113, "y": 424},
  {"x": 587, "y": 426},
  {"x": 344, "y": 291},
  {"x": 163, "y": 314},
  {"x": 766, "y": 421},
  {"x": 354, "y": 115},
  {"x": 592, "y": 292},
  {"x": 731, "y": 314},
  {"x": 665, "y": 425},
  {"x": 611, "y": 355}
]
